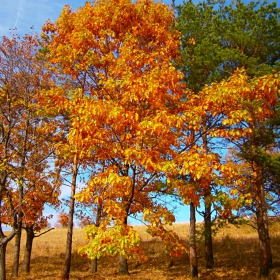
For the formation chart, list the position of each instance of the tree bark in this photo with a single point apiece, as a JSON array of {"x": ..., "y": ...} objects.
[
  {"x": 208, "y": 236},
  {"x": 93, "y": 268},
  {"x": 17, "y": 251},
  {"x": 28, "y": 249},
  {"x": 193, "y": 253},
  {"x": 261, "y": 214},
  {"x": 123, "y": 266},
  {"x": 2, "y": 260},
  {"x": 264, "y": 250},
  {"x": 67, "y": 261},
  {"x": 209, "y": 256},
  {"x": 15, "y": 267},
  {"x": 270, "y": 260},
  {"x": 3, "y": 244}
]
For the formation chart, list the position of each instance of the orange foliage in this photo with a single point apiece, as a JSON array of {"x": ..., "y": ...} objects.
[
  {"x": 27, "y": 136},
  {"x": 126, "y": 103},
  {"x": 130, "y": 114},
  {"x": 62, "y": 220}
]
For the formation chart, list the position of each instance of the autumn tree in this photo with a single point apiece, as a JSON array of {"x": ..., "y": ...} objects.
[
  {"x": 90, "y": 212},
  {"x": 63, "y": 220},
  {"x": 123, "y": 112},
  {"x": 9, "y": 120},
  {"x": 255, "y": 184},
  {"x": 22, "y": 131},
  {"x": 36, "y": 195},
  {"x": 252, "y": 104},
  {"x": 42, "y": 181},
  {"x": 67, "y": 154},
  {"x": 43, "y": 192},
  {"x": 217, "y": 38}
]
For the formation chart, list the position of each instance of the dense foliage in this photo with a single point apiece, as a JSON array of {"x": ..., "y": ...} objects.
[{"x": 133, "y": 108}]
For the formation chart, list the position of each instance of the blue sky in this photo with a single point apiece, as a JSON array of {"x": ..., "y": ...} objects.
[{"x": 23, "y": 14}]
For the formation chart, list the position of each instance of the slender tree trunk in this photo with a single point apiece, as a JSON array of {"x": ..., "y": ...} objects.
[
  {"x": 260, "y": 213},
  {"x": 3, "y": 244},
  {"x": 5, "y": 239},
  {"x": 264, "y": 249},
  {"x": 123, "y": 266},
  {"x": 208, "y": 236},
  {"x": 209, "y": 256},
  {"x": 93, "y": 268},
  {"x": 270, "y": 260},
  {"x": 97, "y": 223},
  {"x": 67, "y": 261},
  {"x": 193, "y": 253},
  {"x": 2, "y": 260},
  {"x": 15, "y": 267},
  {"x": 28, "y": 249}
]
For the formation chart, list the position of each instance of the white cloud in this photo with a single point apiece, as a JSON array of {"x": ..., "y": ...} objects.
[{"x": 20, "y": 11}]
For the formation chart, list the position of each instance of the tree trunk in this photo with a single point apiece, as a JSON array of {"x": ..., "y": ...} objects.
[
  {"x": 261, "y": 214},
  {"x": 270, "y": 263},
  {"x": 17, "y": 251},
  {"x": 2, "y": 260},
  {"x": 123, "y": 266},
  {"x": 193, "y": 253},
  {"x": 208, "y": 236},
  {"x": 93, "y": 268},
  {"x": 15, "y": 267},
  {"x": 264, "y": 250},
  {"x": 3, "y": 244},
  {"x": 67, "y": 261},
  {"x": 209, "y": 257},
  {"x": 28, "y": 249},
  {"x": 97, "y": 223}
]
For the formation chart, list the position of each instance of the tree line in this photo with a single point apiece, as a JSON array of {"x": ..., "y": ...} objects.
[{"x": 134, "y": 102}]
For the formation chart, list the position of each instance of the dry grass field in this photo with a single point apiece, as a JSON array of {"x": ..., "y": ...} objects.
[{"x": 236, "y": 257}]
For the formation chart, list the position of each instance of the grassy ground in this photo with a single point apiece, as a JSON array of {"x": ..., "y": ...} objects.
[{"x": 236, "y": 257}]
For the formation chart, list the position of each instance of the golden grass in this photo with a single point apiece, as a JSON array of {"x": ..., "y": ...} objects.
[{"x": 236, "y": 257}]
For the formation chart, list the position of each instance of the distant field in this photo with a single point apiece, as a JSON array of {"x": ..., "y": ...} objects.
[{"x": 236, "y": 257}]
